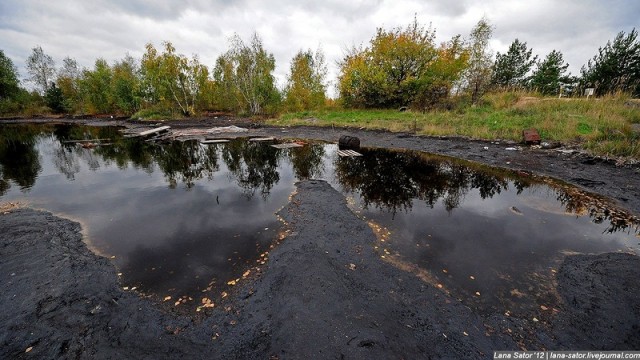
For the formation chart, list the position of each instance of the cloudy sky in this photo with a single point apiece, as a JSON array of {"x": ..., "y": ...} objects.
[{"x": 88, "y": 29}]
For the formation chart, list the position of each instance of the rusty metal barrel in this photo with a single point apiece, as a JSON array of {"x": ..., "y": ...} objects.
[{"x": 347, "y": 142}]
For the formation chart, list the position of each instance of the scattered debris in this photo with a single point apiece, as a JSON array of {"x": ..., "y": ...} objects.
[
  {"x": 262, "y": 139},
  {"x": 227, "y": 129},
  {"x": 214, "y": 141},
  {"x": 567, "y": 151},
  {"x": 512, "y": 149},
  {"x": 206, "y": 303},
  {"x": 155, "y": 131},
  {"x": 286, "y": 145},
  {"x": 552, "y": 145},
  {"x": 531, "y": 137},
  {"x": 85, "y": 141},
  {"x": 348, "y": 153},
  {"x": 6, "y": 207}
]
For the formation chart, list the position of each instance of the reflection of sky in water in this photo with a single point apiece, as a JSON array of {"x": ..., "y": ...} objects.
[
  {"x": 170, "y": 239},
  {"x": 165, "y": 241},
  {"x": 497, "y": 253}
]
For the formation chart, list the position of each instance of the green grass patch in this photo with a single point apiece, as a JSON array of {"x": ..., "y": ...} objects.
[
  {"x": 602, "y": 125},
  {"x": 155, "y": 113}
]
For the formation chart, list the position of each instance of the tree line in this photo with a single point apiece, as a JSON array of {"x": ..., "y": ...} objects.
[{"x": 398, "y": 68}]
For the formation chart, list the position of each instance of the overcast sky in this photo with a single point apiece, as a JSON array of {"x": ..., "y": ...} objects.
[{"x": 88, "y": 29}]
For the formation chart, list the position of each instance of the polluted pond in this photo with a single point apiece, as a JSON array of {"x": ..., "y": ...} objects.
[{"x": 184, "y": 222}]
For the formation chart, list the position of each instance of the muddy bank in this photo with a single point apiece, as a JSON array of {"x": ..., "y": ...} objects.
[
  {"x": 601, "y": 302},
  {"x": 59, "y": 300},
  {"x": 324, "y": 293}
]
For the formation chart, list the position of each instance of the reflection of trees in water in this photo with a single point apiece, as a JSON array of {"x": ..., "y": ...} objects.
[
  {"x": 307, "y": 161},
  {"x": 67, "y": 155},
  {"x": 129, "y": 152},
  {"x": 599, "y": 209},
  {"x": 253, "y": 164},
  {"x": 387, "y": 179},
  {"x": 392, "y": 179},
  {"x": 66, "y": 160},
  {"x": 19, "y": 158},
  {"x": 188, "y": 161}
]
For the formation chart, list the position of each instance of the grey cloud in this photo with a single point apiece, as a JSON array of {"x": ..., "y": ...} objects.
[
  {"x": 449, "y": 8},
  {"x": 576, "y": 28},
  {"x": 160, "y": 9},
  {"x": 86, "y": 30}
]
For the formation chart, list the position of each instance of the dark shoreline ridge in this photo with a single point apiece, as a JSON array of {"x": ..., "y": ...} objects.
[{"x": 59, "y": 300}]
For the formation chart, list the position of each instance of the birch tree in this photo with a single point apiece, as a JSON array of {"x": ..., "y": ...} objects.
[
  {"x": 173, "y": 77},
  {"x": 68, "y": 80},
  {"x": 248, "y": 68},
  {"x": 478, "y": 74},
  {"x": 41, "y": 69}
]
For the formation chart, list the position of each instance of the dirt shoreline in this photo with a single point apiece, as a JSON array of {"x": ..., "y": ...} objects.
[{"x": 324, "y": 292}]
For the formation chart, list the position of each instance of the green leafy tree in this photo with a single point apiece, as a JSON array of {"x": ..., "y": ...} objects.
[
  {"x": 386, "y": 74},
  {"x": 305, "y": 88},
  {"x": 226, "y": 95},
  {"x": 12, "y": 96},
  {"x": 247, "y": 71},
  {"x": 616, "y": 67},
  {"x": 477, "y": 76},
  {"x": 151, "y": 76},
  {"x": 172, "y": 78},
  {"x": 550, "y": 74},
  {"x": 68, "y": 82},
  {"x": 436, "y": 83},
  {"x": 54, "y": 98},
  {"x": 125, "y": 85},
  {"x": 96, "y": 87},
  {"x": 9, "y": 83},
  {"x": 399, "y": 67},
  {"x": 41, "y": 69},
  {"x": 510, "y": 70}
]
